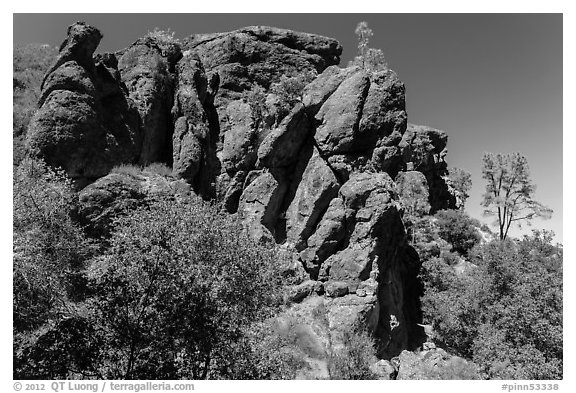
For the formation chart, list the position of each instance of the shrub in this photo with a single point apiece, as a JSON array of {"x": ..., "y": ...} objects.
[
  {"x": 30, "y": 63},
  {"x": 353, "y": 361},
  {"x": 458, "y": 229},
  {"x": 50, "y": 253},
  {"x": 164, "y": 37},
  {"x": 127, "y": 169},
  {"x": 505, "y": 315},
  {"x": 159, "y": 169},
  {"x": 288, "y": 91},
  {"x": 178, "y": 286},
  {"x": 256, "y": 98}
]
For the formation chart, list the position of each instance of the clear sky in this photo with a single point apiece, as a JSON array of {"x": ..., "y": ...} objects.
[{"x": 493, "y": 82}]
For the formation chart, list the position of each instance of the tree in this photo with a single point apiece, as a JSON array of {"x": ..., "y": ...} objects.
[
  {"x": 509, "y": 192},
  {"x": 412, "y": 190},
  {"x": 461, "y": 181},
  {"x": 364, "y": 33},
  {"x": 368, "y": 58}
]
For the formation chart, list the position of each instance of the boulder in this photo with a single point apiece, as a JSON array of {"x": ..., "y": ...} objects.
[
  {"x": 239, "y": 151},
  {"x": 298, "y": 292},
  {"x": 318, "y": 91},
  {"x": 340, "y": 114},
  {"x": 384, "y": 370}
]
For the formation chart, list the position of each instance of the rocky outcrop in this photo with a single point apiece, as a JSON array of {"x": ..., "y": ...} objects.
[
  {"x": 320, "y": 180},
  {"x": 195, "y": 125},
  {"x": 85, "y": 123},
  {"x": 247, "y": 61},
  {"x": 147, "y": 69},
  {"x": 424, "y": 149}
]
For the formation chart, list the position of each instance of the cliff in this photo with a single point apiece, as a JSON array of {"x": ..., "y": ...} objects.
[{"x": 316, "y": 179}]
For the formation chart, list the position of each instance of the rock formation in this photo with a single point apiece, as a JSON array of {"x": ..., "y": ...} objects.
[{"x": 318, "y": 179}]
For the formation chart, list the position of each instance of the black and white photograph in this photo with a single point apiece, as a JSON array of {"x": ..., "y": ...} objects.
[{"x": 286, "y": 196}]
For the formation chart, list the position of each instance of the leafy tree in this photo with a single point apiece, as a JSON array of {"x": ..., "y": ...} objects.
[
  {"x": 458, "y": 229},
  {"x": 49, "y": 248},
  {"x": 509, "y": 191}
]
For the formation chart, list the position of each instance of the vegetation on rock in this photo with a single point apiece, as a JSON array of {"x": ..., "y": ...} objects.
[{"x": 370, "y": 59}]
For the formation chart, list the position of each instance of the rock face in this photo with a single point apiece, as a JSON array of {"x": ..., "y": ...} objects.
[
  {"x": 317, "y": 180},
  {"x": 246, "y": 60},
  {"x": 147, "y": 69},
  {"x": 423, "y": 149},
  {"x": 85, "y": 123}
]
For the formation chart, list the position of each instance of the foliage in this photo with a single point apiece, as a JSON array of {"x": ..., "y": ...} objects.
[
  {"x": 164, "y": 37},
  {"x": 30, "y": 63},
  {"x": 159, "y": 169},
  {"x": 178, "y": 287},
  {"x": 509, "y": 191},
  {"x": 269, "y": 351},
  {"x": 458, "y": 229},
  {"x": 50, "y": 253},
  {"x": 505, "y": 314},
  {"x": 370, "y": 59},
  {"x": 412, "y": 191},
  {"x": 127, "y": 169},
  {"x": 288, "y": 91},
  {"x": 354, "y": 359},
  {"x": 256, "y": 98},
  {"x": 461, "y": 181},
  {"x": 49, "y": 248}
]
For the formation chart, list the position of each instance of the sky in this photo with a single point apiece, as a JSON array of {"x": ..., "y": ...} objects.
[{"x": 493, "y": 82}]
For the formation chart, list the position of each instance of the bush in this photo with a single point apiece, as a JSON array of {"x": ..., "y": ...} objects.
[
  {"x": 163, "y": 37},
  {"x": 175, "y": 291},
  {"x": 127, "y": 169},
  {"x": 50, "y": 253},
  {"x": 159, "y": 169},
  {"x": 30, "y": 63},
  {"x": 458, "y": 229},
  {"x": 506, "y": 314},
  {"x": 354, "y": 360}
]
